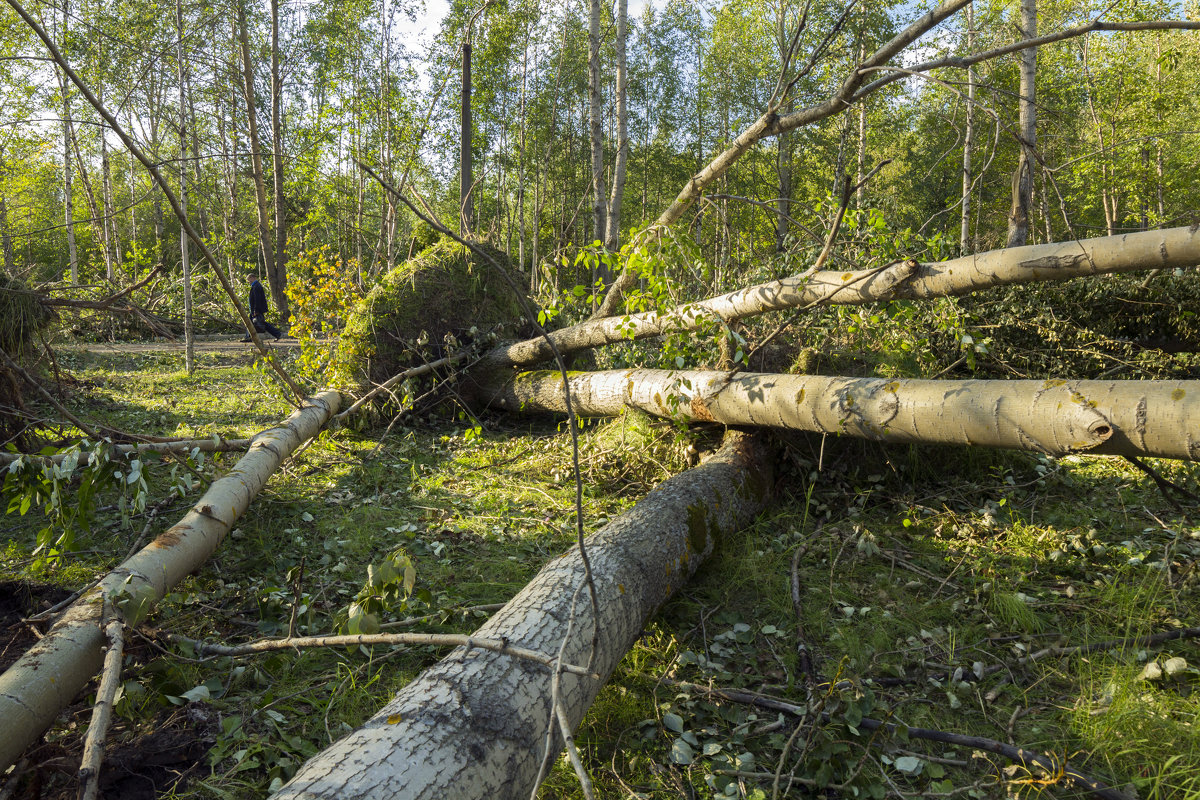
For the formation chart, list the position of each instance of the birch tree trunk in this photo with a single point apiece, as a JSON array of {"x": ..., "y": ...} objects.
[
  {"x": 189, "y": 335},
  {"x": 1056, "y": 417},
  {"x": 612, "y": 240},
  {"x": 278, "y": 275},
  {"x": 964, "y": 236},
  {"x": 599, "y": 200},
  {"x": 111, "y": 240},
  {"x": 473, "y": 725},
  {"x": 68, "y": 170},
  {"x": 1131, "y": 252},
  {"x": 465, "y": 179},
  {"x": 6, "y": 240},
  {"x": 1022, "y": 202},
  {"x": 260, "y": 188},
  {"x": 46, "y": 678}
]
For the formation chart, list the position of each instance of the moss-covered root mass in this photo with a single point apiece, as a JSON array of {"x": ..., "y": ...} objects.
[{"x": 444, "y": 291}]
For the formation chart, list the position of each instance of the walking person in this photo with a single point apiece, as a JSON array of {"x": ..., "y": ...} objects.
[{"x": 258, "y": 310}]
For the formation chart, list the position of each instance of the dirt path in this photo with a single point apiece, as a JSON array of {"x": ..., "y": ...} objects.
[{"x": 227, "y": 343}]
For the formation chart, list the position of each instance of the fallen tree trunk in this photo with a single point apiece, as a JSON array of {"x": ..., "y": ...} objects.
[
  {"x": 46, "y": 679},
  {"x": 1129, "y": 418},
  {"x": 214, "y": 444},
  {"x": 1131, "y": 252},
  {"x": 473, "y": 725}
]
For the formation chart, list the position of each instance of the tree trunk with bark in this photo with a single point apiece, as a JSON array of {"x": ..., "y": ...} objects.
[
  {"x": 189, "y": 334},
  {"x": 1022, "y": 201},
  {"x": 1131, "y": 252},
  {"x": 46, "y": 678},
  {"x": 612, "y": 239},
  {"x": 1056, "y": 417},
  {"x": 474, "y": 725},
  {"x": 596, "y": 128},
  {"x": 10, "y": 267},
  {"x": 968, "y": 178},
  {"x": 68, "y": 170},
  {"x": 277, "y": 274},
  {"x": 465, "y": 179},
  {"x": 256, "y": 168}
]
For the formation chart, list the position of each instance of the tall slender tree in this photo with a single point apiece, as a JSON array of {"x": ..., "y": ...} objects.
[{"x": 1022, "y": 192}]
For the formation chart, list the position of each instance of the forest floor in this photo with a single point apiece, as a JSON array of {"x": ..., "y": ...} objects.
[
  {"x": 212, "y": 343},
  {"x": 929, "y": 583}
]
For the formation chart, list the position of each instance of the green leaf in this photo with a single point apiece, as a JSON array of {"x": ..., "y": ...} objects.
[
  {"x": 682, "y": 752},
  {"x": 673, "y": 722},
  {"x": 197, "y": 694},
  {"x": 909, "y": 765}
]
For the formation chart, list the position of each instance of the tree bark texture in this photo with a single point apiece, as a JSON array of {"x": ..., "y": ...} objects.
[
  {"x": 968, "y": 178},
  {"x": 277, "y": 276},
  {"x": 612, "y": 240},
  {"x": 1022, "y": 201},
  {"x": 256, "y": 168},
  {"x": 596, "y": 131},
  {"x": 46, "y": 678},
  {"x": 465, "y": 180},
  {"x": 185, "y": 261},
  {"x": 68, "y": 170},
  {"x": 473, "y": 725},
  {"x": 1131, "y": 252},
  {"x": 6, "y": 240},
  {"x": 1056, "y": 417}
]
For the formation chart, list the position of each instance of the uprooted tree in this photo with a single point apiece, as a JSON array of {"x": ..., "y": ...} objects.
[{"x": 483, "y": 722}]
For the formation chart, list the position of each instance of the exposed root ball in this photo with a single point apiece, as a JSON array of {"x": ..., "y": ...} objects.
[
  {"x": 426, "y": 308},
  {"x": 21, "y": 314}
]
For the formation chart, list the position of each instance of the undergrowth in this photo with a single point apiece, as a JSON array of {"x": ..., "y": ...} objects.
[{"x": 928, "y": 580}]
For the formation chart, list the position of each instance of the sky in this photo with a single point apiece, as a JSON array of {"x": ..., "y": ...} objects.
[{"x": 420, "y": 32}]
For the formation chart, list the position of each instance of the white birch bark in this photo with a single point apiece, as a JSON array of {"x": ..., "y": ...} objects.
[
  {"x": 473, "y": 725},
  {"x": 185, "y": 261},
  {"x": 68, "y": 170},
  {"x": 596, "y": 134},
  {"x": 46, "y": 678},
  {"x": 1056, "y": 417},
  {"x": 1131, "y": 252},
  {"x": 612, "y": 239},
  {"x": 256, "y": 168},
  {"x": 278, "y": 276}
]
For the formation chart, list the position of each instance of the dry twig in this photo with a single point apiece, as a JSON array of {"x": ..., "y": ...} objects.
[
  {"x": 434, "y": 639},
  {"x": 110, "y": 679}
]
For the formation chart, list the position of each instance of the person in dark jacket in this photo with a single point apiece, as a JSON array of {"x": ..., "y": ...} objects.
[{"x": 258, "y": 310}]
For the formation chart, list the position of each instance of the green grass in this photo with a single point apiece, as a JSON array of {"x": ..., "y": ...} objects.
[{"x": 920, "y": 563}]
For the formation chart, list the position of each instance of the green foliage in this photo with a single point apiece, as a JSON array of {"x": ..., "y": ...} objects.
[
  {"x": 321, "y": 292},
  {"x": 1118, "y": 326},
  {"x": 67, "y": 493},
  {"x": 389, "y": 586}
]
